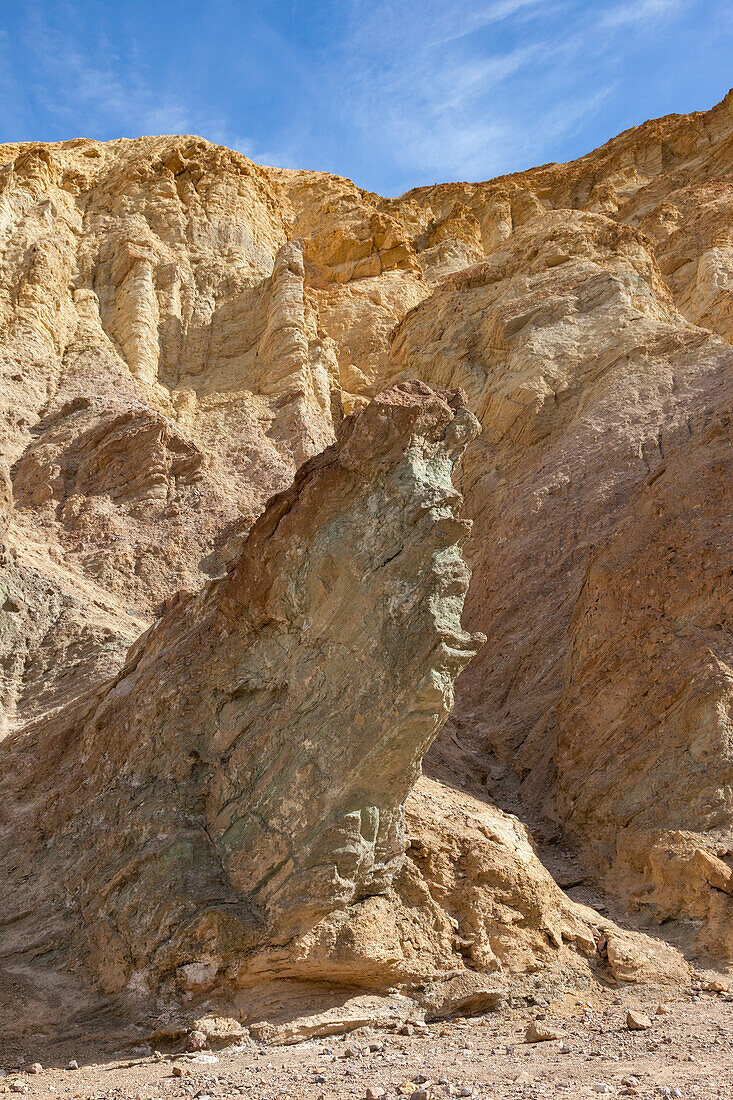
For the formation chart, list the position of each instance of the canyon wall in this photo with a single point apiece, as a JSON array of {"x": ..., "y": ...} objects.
[{"x": 185, "y": 336}]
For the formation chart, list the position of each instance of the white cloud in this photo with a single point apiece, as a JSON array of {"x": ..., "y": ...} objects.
[
  {"x": 641, "y": 11},
  {"x": 435, "y": 98},
  {"x": 470, "y": 90}
]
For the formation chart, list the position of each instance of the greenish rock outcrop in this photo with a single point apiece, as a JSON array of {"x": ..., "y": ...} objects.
[{"x": 245, "y": 773}]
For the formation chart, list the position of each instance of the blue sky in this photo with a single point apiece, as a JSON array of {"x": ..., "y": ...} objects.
[{"x": 393, "y": 93}]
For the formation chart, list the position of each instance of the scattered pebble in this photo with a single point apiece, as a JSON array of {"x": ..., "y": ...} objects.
[
  {"x": 637, "y": 1021},
  {"x": 540, "y": 1032},
  {"x": 715, "y": 986}
]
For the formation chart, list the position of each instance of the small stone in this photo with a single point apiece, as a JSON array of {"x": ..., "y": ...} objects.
[
  {"x": 540, "y": 1032},
  {"x": 374, "y": 1048},
  {"x": 319, "y": 1079},
  {"x": 420, "y": 1094},
  {"x": 196, "y": 1041},
  {"x": 631, "y": 1081},
  {"x": 177, "y": 1071},
  {"x": 663, "y": 1010},
  {"x": 35, "y": 1067},
  {"x": 375, "y": 1093},
  {"x": 73, "y": 1064},
  {"x": 407, "y": 1029},
  {"x": 351, "y": 1052},
  {"x": 601, "y": 1086},
  {"x": 465, "y": 1091},
  {"x": 637, "y": 1021}
]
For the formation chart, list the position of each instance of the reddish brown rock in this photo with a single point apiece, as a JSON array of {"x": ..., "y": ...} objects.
[{"x": 645, "y": 763}]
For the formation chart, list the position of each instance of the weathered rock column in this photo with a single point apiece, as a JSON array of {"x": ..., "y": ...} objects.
[{"x": 246, "y": 772}]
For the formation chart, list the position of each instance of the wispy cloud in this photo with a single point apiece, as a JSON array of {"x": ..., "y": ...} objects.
[
  {"x": 643, "y": 11},
  {"x": 472, "y": 91},
  {"x": 88, "y": 88},
  {"x": 69, "y": 82}
]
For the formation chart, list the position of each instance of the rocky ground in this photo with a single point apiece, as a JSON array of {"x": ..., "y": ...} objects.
[{"x": 684, "y": 1052}]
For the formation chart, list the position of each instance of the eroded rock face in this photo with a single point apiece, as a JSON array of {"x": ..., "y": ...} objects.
[
  {"x": 585, "y": 378},
  {"x": 6, "y": 498},
  {"x": 645, "y": 752},
  {"x": 163, "y": 371},
  {"x": 180, "y": 330},
  {"x": 246, "y": 771}
]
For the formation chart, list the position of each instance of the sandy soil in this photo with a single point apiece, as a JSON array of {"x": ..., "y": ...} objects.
[{"x": 689, "y": 1049}]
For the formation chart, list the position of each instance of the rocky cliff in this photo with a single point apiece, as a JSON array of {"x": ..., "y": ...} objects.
[{"x": 214, "y": 708}]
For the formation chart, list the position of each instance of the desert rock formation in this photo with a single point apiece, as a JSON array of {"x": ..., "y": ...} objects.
[
  {"x": 181, "y": 332},
  {"x": 244, "y": 774}
]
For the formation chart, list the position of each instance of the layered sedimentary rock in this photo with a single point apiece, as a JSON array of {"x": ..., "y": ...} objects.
[
  {"x": 180, "y": 331},
  {"x": 153, "y": 297},
  {"x": 645, "y": 751},
  {"x": 585, "y": 378}
]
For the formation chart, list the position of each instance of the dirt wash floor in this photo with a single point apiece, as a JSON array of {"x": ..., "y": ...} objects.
[{"x": 687, "y": 1052}]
